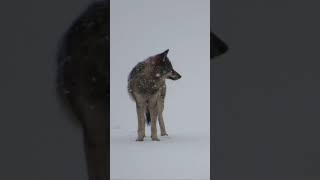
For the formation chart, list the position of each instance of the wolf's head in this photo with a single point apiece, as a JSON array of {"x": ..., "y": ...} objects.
[{"x": 164, "y": 67}]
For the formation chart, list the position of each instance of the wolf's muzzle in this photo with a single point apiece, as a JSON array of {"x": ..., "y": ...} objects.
[
  {"x": 174, "y": 75},
  {"x": 218, "y": 47}
]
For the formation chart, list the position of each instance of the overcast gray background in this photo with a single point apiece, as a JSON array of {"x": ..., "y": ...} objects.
[
  {"x": 37, "y": 141},
  {"x": 144, "y": 28},
  {"x": 266, "y": 94}
]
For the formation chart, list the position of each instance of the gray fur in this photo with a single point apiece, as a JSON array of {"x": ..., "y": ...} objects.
[
  {"x": 147, "y": 87},
  {"x": 82, "y": 82}
]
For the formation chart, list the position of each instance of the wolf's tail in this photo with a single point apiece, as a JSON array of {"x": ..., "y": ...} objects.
[{"x": 148, "y": 117}]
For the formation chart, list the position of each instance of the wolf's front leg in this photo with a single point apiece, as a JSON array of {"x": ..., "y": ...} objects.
[
  {"x": 141, "y": 121},
  {"x": 154, "y": 113},
  {"x": 162, "y": 126},
  {"x": 161, "y": 122}
]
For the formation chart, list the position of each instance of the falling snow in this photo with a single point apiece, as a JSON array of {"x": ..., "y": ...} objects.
[{"x": 185, "y": 153}]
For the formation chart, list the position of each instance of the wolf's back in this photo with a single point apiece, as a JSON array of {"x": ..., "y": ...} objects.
[{"x": 133, "y": 75}]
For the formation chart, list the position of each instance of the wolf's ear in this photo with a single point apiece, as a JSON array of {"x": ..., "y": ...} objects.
[{"x": 166, "y": 52}]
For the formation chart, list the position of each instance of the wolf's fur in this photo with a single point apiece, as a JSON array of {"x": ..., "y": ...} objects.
[
  {"x": 147, "y": 87},
  {"x": 83, "y": 81}
]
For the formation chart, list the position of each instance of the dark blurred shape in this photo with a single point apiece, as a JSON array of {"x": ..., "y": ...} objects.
[
  {"x": 83, "y": 82},
  {"x": 217, "y": 46}
]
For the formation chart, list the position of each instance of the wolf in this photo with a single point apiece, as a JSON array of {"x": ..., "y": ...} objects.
[
  {"x": 82, "y": 83},
  {"x": 147, "y": 87},
  {"x": 218, "y": 47}
]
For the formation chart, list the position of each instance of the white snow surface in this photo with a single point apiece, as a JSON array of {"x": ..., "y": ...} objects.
[
  {"x": 181, "y": 155},
  {"x": 140, "y": 29}
]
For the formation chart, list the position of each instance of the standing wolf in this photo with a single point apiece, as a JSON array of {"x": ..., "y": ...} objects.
[
  {"x": 147, "y": 87},
  {"x": 83, "y": 82}
]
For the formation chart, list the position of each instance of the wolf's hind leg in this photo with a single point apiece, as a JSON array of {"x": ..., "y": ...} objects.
[
  {"x": 141, "y": 121},
  {"x": 94, "y": 118}
]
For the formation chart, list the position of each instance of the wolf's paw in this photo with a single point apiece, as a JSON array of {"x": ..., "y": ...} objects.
[
  {"x": 155, "y": 139},
  {"x": 139, "y": 139},
  {"x": 164, "y": 134}
]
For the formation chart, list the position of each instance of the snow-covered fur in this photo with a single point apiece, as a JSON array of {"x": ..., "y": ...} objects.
[{"x": 147, "y": 87}]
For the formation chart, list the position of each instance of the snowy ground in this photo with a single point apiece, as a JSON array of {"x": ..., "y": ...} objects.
[{"x": 181, "y": 155}]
